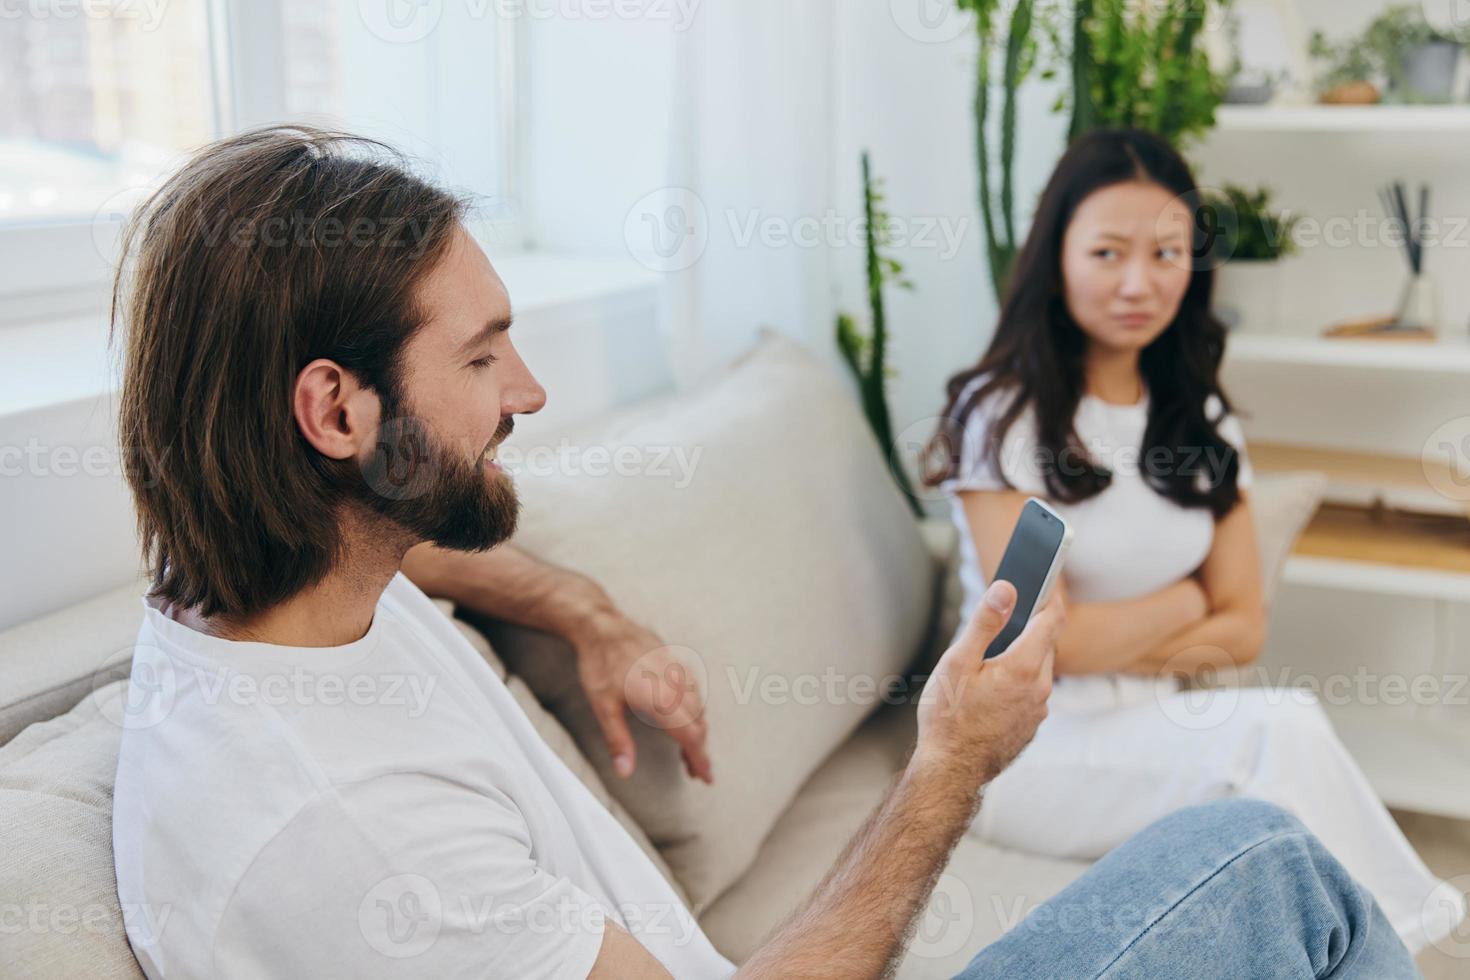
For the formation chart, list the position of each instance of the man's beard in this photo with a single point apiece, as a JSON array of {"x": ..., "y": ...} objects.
[{"x": 433, "y": 492}]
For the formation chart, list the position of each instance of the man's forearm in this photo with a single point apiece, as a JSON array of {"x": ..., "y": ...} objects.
[
  {"x": 508, "y": 584},
  {"x": 857, "y": 922}
]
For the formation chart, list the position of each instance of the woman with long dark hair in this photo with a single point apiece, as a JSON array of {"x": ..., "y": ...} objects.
[{"x": 1100, "y": 393}]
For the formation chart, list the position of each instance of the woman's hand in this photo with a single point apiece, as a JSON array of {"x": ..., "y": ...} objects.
[{"x": 624, "y": 666}]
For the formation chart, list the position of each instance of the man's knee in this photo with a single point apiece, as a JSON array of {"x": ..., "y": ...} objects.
[{"x": 1222, "y": 828}]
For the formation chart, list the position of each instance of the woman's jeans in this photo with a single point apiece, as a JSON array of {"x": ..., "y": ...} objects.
[{"x": 1235, "y": 889}]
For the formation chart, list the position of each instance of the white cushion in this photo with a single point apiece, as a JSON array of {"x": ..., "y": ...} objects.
[
  {"x": 789, "y": 552},
  {"x": 1282, "y": 504}
]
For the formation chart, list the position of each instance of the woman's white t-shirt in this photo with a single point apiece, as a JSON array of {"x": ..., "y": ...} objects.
[{"x": 1128, "y": 541}]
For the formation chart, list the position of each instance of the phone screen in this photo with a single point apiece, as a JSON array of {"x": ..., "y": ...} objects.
[{"x": 1028, "y": 559}]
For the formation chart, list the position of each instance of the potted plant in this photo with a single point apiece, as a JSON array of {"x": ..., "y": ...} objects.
[
  {"x": 1255, "y": 238},
  {"x": 866, "y": 354},
  {"x": 1413, "y": 59}
]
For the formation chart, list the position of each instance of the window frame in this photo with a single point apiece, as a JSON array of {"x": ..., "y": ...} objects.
[{"x": 61, "y": 268}]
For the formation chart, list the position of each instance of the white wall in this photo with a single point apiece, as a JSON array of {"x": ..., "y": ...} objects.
[
  {"x": 763, "y": 109},
  {"x": 908, "y": 100}
]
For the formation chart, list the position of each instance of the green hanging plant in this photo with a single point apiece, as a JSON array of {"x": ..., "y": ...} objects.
[
  {"x": 867, "y": 354},
  {"x": 1141, "y": 65},
  {"x": 1021, "y": 49}
]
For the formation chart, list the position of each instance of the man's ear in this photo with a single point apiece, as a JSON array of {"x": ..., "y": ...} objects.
[{"x": 334, "y": 411}]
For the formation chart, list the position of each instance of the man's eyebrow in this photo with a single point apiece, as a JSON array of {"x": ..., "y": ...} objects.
[{"x": 498, "y": 325}]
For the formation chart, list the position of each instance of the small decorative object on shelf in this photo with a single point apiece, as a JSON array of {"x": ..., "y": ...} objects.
[
  {"x": 1352, "y": 93},
  {"x": 1255, "y": 239},
  {"x": 1418, "y": 304},
  {"x": 1377, "y": 328}
]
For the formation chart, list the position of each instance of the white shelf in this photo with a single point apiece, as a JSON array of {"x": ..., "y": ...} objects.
[
  {"x": 1245, "y": 347},
  {"x": 1377, "y": 578},
  {"x": 1413, "y": 763},
  {"x": 1435, "y": 119}
]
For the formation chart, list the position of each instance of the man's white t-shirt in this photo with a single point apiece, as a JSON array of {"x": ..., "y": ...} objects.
[{"x": 378, "y": 809}]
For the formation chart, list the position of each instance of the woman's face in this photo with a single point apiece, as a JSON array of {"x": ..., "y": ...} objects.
[{"x": 1126, "y": 264}]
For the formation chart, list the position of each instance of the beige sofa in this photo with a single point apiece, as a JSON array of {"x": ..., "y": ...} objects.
[{"x": 783, "y": 565}]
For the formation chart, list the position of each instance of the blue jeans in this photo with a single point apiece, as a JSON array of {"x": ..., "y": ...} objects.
[{"x": 1231, "y": 890}]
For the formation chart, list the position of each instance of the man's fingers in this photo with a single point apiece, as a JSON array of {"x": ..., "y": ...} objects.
[
  {"x": 990, "y": 616},
  {"x": 691, "y": 739},
  {"x": 1036, "y": 646},
  {"x": 619, "y": 740}
]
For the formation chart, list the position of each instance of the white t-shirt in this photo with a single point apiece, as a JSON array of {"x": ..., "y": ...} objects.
[
  {"x": 372, "y": 810},
  {"x": 1128, "y": 541}
]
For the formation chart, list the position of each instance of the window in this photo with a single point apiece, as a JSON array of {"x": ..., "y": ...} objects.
[
  {"x": 100, "y": 98},
  {"x": 93, "y": 104}
]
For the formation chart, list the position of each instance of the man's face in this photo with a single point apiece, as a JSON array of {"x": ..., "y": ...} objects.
[{"x": 432, "y": 469}]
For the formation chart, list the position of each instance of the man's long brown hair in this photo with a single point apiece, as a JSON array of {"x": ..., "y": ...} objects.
[{"x": 266, "y": 251}]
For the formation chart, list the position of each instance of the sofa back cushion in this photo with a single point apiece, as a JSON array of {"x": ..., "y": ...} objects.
[
  {"x": 56, "y": 846},
  {"x": 755, "y": 527}
]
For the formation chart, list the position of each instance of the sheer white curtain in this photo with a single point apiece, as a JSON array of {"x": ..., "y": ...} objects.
[
  {"x": 753, "y": 139},
  {"x": 701, "y": 144}
]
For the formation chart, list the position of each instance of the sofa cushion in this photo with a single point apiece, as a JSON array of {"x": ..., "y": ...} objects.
[
  {"x": 56, "y": 865},
  {"x": 786, "y": 569},
  {"x": 50, "y": 663},
  {"x": 983, "y": 891},
  {"x": 56, "y": 845},
  {"x": 1282, "y": 504}
]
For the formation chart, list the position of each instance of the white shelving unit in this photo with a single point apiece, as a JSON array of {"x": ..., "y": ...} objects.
[
  {"x": 1364, "y": 412},
  {"x": 1445, "y": 120},
  {"x": 1436, "y": 357}
]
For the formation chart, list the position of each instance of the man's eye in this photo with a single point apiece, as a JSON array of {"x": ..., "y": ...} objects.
[
  {"x": 1106, "y": 253},
  {"x": 485, "y": 361}
]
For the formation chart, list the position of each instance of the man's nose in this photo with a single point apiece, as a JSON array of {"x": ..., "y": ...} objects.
[{"x": 524, "y": 395}]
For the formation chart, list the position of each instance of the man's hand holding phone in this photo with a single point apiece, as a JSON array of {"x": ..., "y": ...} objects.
[{"x": 977, "y": 714}]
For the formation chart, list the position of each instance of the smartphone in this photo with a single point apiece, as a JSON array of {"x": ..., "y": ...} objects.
[{"x": 1031, "y": 563}]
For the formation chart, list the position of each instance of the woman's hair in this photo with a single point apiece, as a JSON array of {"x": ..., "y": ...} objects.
[
  {"x": 1037, "y": 356},
  {"x": 266, "y": 251}
]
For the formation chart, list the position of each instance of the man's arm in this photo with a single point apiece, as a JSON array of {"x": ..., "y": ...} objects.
[
  {"x": 975, "y": 716},
  {"x": 621, "y": 664}
]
